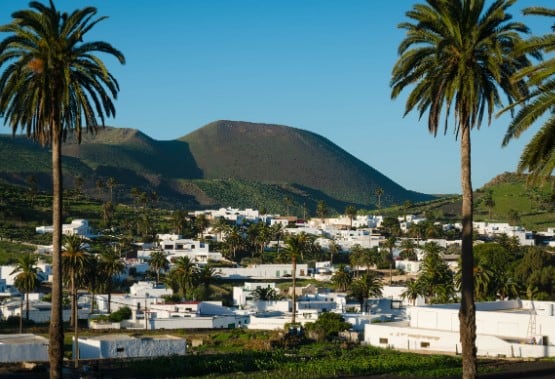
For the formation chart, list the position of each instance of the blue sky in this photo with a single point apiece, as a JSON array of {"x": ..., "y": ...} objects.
[{"x": 318, "y": 65}]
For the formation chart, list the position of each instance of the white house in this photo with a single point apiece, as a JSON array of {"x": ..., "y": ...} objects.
[
  {"x": 197, "y": 251},
  {"x": 263, "y": 271},
  {"x": 77, "y": 226},
  {"x": 504, "y": 328},
  {"x": 23, "y": 348},
  {"x": 246, "y": 293},
  {"x": 125, "y": 346}
]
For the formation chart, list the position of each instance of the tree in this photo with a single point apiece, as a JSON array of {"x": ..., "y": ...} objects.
[
  {"x": 93, "y": 279},
  {"x": 297, "y": 245},
  {"x": 48, "y": 89},
  {"x": 26, "y": 279},
  {"x": 413, "y": 290},
  {"x": 366, "y": 286},
  {"x": 182, "y": 276},
  {"x": 328, "y": 326},
  {"x": 204, "y": 277},
  {"x": 111, "y": 183},
  {"x": 351, "y": 212},
  {"x": 111, "y": 265},
  {"x": 378, "y": 192},
  {"x": 538, "y": 157},
  {"x": 489, "y": 202},
  {"x": 322, "y": 210},
  {"x": 342, "y": 278},
  {"x": 33, "y": 184},
  {"x": 408, "y": 250},
  {"x": 73, "y": 263},
  {"x": 158, "y": 261},
  {"x": 456, "y": 58},
  {"x": 265, "y": 294},
  {"x": 389, "y": 244}
]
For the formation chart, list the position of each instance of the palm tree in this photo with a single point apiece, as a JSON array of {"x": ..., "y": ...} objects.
[
  {"x": 265, "y": 294},
  {"x": 378, "y": 192},
  {"x": 342, "y": 278},
  {"x": 73, "y": 270},
  {"x": 183, "y": 275},
  {"x": 297, "y": 245},
  {"x": 389, "y": 244},
  {"x": 408, "y": 249},
  {"x": 111, "y": 183},
  {"x": 204, "y": 277},
  {"x": 48, "y": 89},
  {"x": 351, "y": 212},
  {"x": 158, "y": 261},
  {"x": 26, "y": 279},
  {"x": 93, "y": 279},
  {"x": 322, "y": 210},
  {"x": 413, "y": 290},
  {"x": 110, "y": 265},
  {"x": 456, "y": 58},
  {"x": 538, "y": 157},
  {"x": 73, "y": 263},
  {"x": 366, "y": 286}
]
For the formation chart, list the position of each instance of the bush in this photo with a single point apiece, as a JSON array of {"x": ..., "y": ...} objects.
[{"x": 121, "y": 314}]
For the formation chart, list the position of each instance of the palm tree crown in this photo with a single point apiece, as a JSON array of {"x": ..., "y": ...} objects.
[{"x": 538, "y": 157}]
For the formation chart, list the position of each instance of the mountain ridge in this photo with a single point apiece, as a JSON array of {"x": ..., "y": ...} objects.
[{"x": 293, "y": 160}]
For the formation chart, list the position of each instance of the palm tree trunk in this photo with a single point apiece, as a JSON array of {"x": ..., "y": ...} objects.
[
  {"x": 73, "y": 300},
  {"x": 21, "y": 315},
  {"x": 294, "y": 276},
  {"x": 56, "y": 331},
  {"x": 75, "y": 325},
  {"x": 27, "y": 306},
  {"x": 467, "y": 311}
]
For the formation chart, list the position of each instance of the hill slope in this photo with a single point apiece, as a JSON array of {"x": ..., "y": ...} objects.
[{"x": 224, "y": 163}]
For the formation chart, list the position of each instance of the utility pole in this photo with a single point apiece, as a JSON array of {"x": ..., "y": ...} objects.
[{"x": 145, "y": 312}]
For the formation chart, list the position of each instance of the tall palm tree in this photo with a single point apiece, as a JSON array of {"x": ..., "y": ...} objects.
[
  {"x": 456, "y": 58},
  {"x": 158, "y": 261},
  {"x": 378, "y": 192},
  {"x": 53, "y": 82},
  {"x": 73, "y": 272},
  {"x": 93, "y": 279},
  {"x": 351, "y": 212},
  {"x": 538, "y": 157},
  {"x": 73, "y": 264},
  {"x": 204, "y": 277},
  {"x": 26, "y": 279},
  {"x": 297, "y": 246},
  {"x": 111, "y": 265}
]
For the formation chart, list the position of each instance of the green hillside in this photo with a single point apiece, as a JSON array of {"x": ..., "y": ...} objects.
[
  {"x": 514, "y": 201},
  {"x": 225, "y": 163}
]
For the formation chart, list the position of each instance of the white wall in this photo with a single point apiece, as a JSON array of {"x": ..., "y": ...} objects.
[
  {"x": 23, "y": 348},
  {"x": 122, "y": 346}
]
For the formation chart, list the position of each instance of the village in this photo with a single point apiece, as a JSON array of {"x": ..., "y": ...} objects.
[{"x": 264, "y": 297}]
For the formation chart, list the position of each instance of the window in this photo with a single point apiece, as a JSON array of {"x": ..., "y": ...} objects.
[
  {"x": 424, "y": 344},
  {"x": 120, "y": 349},
  {"x": 383, "y": 341}
]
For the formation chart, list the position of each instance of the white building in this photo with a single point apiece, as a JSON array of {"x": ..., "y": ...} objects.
[
  {"x": 197, "y": 251},
  {"x": 246, "y": 293},
  {"x": 23, "y": 348},
  {"x": 125, "y": 346},
  {"x": 77, "y": 226},
  {"x": 504, "y": 328},
  {"x": 263, "y": 271}
]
